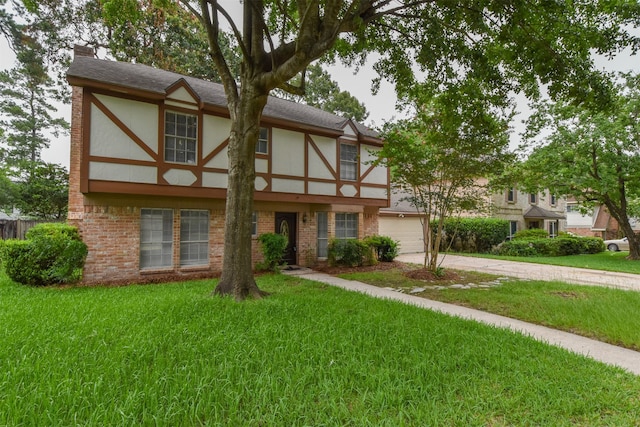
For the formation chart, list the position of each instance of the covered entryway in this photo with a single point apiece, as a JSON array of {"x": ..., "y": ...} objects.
[
  {"x": 286, "y": 225},
  {"x": 536, "y": 217}
]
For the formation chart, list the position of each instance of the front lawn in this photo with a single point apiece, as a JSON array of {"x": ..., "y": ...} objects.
[
  {"x": 606, "y": 261},
  {"x": 310, "y": 354},
  {"x": 605, "y": 314}
]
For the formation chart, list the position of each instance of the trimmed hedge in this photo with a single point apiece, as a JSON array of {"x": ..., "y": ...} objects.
[
  {"x": 560, "y": 246},
  {"x": 355, "y": 253},
  {"x": 531, "y": 233},
  {"x": 51, "y": 253},
  {"x": 472, "y": 234},
  {"x": 385, "y": 247},
  {"x": 349, "y": 252}
]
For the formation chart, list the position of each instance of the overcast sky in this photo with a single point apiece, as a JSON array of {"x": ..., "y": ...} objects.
[{"x": 381, "y": 107}]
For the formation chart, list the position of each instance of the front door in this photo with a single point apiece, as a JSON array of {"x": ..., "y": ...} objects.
[{"x": 286, "y": 225}]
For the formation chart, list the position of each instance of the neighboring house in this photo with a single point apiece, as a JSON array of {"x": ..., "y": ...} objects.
[
  {"x": 148, "y": 173},
  {"x": 597, "y": 223},
  {"x": 402, "y": 222},
  {"x": 530, "y": 210}
]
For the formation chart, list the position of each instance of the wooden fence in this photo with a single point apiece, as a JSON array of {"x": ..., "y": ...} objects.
[{"x": 15, "y": 228}]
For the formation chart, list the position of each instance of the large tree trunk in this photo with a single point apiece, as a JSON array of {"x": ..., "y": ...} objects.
[
  {"x": 625, "y": 225},
  {"x": 237, "y": 266},
  {"x": 619, "y": 212}
]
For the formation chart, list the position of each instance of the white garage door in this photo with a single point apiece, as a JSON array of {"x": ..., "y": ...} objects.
[{"x": 407, "y": 231}]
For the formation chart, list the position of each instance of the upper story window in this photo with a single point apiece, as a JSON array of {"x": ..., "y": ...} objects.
[
  {"x": 180, "y": 137},
  {"x": 348, "y": 162},
  {"x": 533, "y": 198},
  {"x": 262, "y": 146},
  {"x": 553, "y": 200},
  {"x": 511, "y": 195}
]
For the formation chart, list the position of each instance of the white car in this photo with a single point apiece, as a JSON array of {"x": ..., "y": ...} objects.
[{"x": 617, "y": 244}]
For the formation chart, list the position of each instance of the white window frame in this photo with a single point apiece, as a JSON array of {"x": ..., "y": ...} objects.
[
  {"x": 533, "y": 198},
  {"x": 322, "y": 219},
  {"x": 180, "y": 139},
  {"x": 348, "y": 162},
  {"x": 156, "y": 238},
  {"x": 511, "y": 195},
  {"x": 194, "y": 237},
  {"x": 262, "y": 146},
  {"x": 346, "y": 226}
]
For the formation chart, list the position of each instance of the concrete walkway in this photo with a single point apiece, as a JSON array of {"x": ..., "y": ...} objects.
[{"x": 607, "y": 353}]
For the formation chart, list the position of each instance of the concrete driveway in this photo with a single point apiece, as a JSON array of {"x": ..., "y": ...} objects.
[{"x": 526, "y": 270}]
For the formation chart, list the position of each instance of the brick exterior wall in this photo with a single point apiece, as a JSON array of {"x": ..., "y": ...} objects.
[{"x": 112, "y": 234}]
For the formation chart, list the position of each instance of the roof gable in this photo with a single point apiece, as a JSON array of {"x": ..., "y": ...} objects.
[
  {"x": 181, "y": 92},
  {"x": 160, "y": 84}
]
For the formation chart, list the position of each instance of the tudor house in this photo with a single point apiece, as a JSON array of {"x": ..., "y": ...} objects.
[{"x": 148, "y": 167}]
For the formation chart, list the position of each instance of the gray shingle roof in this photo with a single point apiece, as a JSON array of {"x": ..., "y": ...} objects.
[
  {"x": 536, "y": 212},
  {"x": 149, "y": 79}
]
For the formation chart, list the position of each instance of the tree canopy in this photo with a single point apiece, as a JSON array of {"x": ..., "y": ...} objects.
[
  {"x": 593, "y": 156},
  {"x": 442, "y": 158}
]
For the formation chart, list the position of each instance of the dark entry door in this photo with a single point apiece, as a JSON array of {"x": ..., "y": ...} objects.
[{"x": 286, "y": 225}]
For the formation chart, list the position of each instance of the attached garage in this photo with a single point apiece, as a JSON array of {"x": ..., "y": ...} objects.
[{"x": 404, "y": 228}]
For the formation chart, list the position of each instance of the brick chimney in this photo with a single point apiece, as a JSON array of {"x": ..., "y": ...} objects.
[{"x": 83, "y": 51}]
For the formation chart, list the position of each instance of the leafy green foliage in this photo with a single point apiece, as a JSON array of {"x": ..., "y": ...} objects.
[
  {"x": 349, "y": 252},
  {"x": 273, "y": 248},
  {"x": 385, "y": 247},
  {"x": 439, "y": 158},
  {"x": 528, "y": 246},
  {"x": 531, "y": 233},
  {"x": 324, "y": 93},
  {"x": 44, "y": 194},
  {"x": 52, "y": 253},
  {"x": 472, "y": 234},
  {"x": 592, "y": 155},
  {"x": 25, "y": 107}
]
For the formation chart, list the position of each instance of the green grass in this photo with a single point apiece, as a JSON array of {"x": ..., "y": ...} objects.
[
  {"x": 310, "y": 354},
  {"x": 609, "y": 315},
  {"x": 606, "y": 261}
]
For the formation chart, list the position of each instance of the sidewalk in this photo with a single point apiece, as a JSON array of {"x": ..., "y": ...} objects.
[
  {"x": 527, "y": 270},
  {"x": 606, "y": 353}
]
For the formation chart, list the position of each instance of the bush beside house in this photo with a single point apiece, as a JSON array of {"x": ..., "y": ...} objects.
[
  {"x": 51, "y": 254},
  {"x": 355, "y": 253}
]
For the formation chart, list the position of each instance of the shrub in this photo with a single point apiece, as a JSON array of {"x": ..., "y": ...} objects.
[
  {"x": 472, "y": 234},
  {"x": 350, "y": 252},
  {"x": 52, "y": 253},
  {"x": 592, "y": 245},
  {"x": 561, "y": 246},
  {"x": 532, "y": 233},
  {"x": 273, "y": 248},
  {"x": 385, "y": 248}
]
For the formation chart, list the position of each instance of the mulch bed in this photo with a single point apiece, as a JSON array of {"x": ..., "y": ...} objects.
[{"x": 410, "y": 271}]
